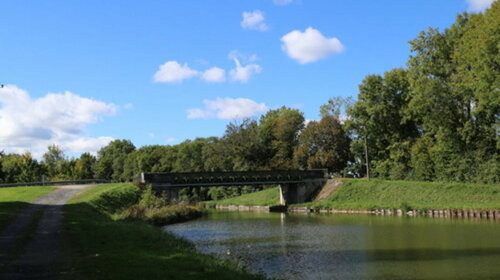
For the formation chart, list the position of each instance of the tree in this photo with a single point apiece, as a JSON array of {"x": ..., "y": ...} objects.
[
  {"x": 54, "y": 160},
  {"x": 323, "y": 144},
  {"x": 2, "y": 174},
  {"x": 279, "y": 130},
  {"x": 337, "y": 107},
  {"x": 85, "y": 166},
  {"x": 379, "y": 118},
  {"x": 455, "y": 101},
  {"x": 23, "y": 168},
  {"x": 244, "y": 146},
  {"x": 111, "y": 160}
]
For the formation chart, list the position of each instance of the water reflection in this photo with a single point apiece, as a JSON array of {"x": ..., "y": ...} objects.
[{"x": 295, "y": 246}]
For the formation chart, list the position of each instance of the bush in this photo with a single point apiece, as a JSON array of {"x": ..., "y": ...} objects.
[
  {"x": 405, "y": 206},
  {"x": 157, "y": 210}
]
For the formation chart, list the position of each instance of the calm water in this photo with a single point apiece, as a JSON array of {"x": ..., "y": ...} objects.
[{"x": 298, "y": 246}]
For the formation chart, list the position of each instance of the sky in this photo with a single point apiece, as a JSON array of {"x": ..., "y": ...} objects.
[{"x": 79, "y": 74}]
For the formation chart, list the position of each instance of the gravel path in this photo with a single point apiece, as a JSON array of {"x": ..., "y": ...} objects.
[{"x": 38, "y": 258}]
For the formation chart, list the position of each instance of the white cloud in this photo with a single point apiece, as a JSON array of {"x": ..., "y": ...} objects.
[
  {"x": 214, "y": 75},
  {"x": 282, "y": 2},
  {"x": 254, "y": 20},
  {"x": 29, "y": 124},
  {"x": 172, "y": 71},
  {"x": 227, "y": 108},
  {"x": 310, "y": 45},
  {"x": 170, "y": 140},
  {"x": 243, "y": 73},
  {"x": 479, "y": 5},
  {"x": 86, "y": 144},
  {"x": 197, "y": 113}
]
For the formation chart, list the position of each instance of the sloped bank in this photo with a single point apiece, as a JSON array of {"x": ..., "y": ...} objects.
[
  {"x": 381, "y": 197},
  {"x": 433, "y": 199},
  {"x": 103, "y": 243}
]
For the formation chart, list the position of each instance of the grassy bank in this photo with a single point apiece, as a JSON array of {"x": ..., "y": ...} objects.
[
  {"x": 12, "y": 200},
  {"x": 370, "y": 194},
  {"x": 267, "y": 197},
  {"x": 100, "y": 244}
]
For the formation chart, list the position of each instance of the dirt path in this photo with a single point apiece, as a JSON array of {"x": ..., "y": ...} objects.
[
  {"x": 328, "y": 189},
  {"x": 29, "y": 245}
]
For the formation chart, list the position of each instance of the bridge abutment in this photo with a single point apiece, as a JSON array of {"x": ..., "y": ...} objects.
[{"x": 299, "y": 193}]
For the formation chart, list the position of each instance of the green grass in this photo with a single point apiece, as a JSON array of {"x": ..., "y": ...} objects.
[
  {"x": 13, "y": 199},
  {"x": 369, "y": 194},
  {"x": 98, "y": 245},
  {"x": 267, "y": 197}
]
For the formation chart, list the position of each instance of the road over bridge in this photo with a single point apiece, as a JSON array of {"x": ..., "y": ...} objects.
[{"x": 296, "y": 186}]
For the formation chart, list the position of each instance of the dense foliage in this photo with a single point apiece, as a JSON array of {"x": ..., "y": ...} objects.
[{"x": 438, "y": 119}]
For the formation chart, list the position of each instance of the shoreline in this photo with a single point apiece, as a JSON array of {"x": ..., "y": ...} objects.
[{"x": 492, "y": 214}]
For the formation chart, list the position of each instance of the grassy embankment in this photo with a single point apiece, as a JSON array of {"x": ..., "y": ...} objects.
[
  {"x": 362, "y": 194},
  {"x": 267, "y": 197},
  {"x": 101, "y": 243},
  {"x": 371, "y": 194},
  {"x": 13, "y": 199}
]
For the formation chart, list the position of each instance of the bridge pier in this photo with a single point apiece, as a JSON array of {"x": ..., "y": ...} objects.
[{"x": 299, "y": 193}]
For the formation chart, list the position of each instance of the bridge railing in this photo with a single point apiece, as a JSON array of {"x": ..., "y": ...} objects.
[
  {"x": 226, "y": 178},
  {"x": 54, "y": 183}
]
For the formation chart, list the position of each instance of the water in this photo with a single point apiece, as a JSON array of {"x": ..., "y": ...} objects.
[{"x": 299, "y": 246}]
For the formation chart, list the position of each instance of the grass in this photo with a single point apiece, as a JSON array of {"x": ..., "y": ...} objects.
[
  {"x": 370, "y": 194},
  {"x": 267, "y": 197},
  {"x": 13, "y": 199},
  {"x": 99, "y": 244}
]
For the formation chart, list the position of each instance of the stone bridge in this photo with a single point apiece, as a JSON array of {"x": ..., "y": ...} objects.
[{"x": 296, "y": 186}]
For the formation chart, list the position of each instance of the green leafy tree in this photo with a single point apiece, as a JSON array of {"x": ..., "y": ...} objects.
[
  {"x": 23, "y": 168},
  {"x": 84, "y": 167},
  {"x": 111, "y": 160},
  {"x": 323, "y": 144},
  {"x": 54, "y": 161},
  {"x": 244, "y": 145},
  {"x": 279, "y": 133},
  {"x": 337, "y": 107},
  {"x": 379, "y": 115}
]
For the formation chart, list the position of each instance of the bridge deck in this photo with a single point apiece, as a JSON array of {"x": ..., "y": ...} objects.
[{"x": 236, "y": 178}]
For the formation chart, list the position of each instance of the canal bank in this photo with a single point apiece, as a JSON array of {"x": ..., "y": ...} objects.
[
  {"x": 101, "y": 243},
  {"x": 381, "y": 197}
]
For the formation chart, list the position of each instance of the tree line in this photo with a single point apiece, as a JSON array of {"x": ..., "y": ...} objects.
[{"x": 437, "y": 119}]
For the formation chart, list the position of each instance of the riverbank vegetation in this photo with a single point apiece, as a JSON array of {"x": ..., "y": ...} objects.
[
  {"x": 101, "y": 243},
  {"x": 437, "y": 119},
  {"x": 12, "y": 200}
]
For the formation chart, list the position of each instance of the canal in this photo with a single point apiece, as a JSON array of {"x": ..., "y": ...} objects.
[{"x": 314, "y": 246}]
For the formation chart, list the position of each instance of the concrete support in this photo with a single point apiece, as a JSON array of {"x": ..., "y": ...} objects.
[{"x": 299, "y": 193}]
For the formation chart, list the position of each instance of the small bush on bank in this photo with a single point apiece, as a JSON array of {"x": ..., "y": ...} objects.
[{"x": 158, "y": 210}]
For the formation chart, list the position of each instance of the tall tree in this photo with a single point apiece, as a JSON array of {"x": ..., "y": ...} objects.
[
  {"x": 379, "y": 118},
  {"x": 54, "y": 160},
  {"x": 279, "y": 131},
  {"x": 323, "y": 144},
  {"x": 111, "y": 160},
  {"x": 85, "y": 166}
]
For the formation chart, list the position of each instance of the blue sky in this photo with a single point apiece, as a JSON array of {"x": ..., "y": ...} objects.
[{"x": 80, "y": 73}]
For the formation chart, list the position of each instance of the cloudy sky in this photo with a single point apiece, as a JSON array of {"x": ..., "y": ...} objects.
[{"x": 81, "y": 73}]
